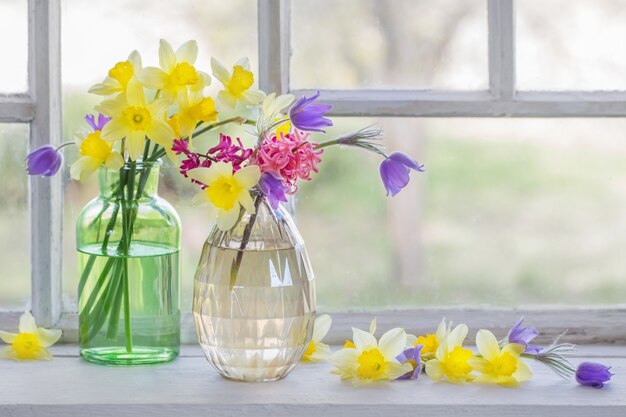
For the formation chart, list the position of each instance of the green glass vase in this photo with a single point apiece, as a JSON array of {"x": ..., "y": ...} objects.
[{"x": 128, "y": 242}]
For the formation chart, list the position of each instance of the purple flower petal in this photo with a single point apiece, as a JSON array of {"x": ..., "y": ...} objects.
[
  {"x": 407, "y": 161},
  {"x": 523, "y": 336},
  {"x": 273, "y": 187},
  {"x": 102, "y": 120},
  {"x": 394, "y": 175},
  {"x": 44, "y": 161},
  {"x": 309, "y": 116},
  {"x": 593, "y": 374},
  {"x": 412, "y": 356}
]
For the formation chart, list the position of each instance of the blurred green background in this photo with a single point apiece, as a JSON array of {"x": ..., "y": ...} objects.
[{"x": 510, "y": 212}]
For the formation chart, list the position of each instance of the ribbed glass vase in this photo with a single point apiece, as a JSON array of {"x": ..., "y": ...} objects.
[
  {"x": 254, "y": 296},
  {"x": 128, "y": 241}
]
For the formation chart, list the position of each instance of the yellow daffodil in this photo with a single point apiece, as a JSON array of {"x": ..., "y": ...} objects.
[
  {"x": 499, "y": 366},
  {"x": 238, "y": 84},
  {"x": 371, "y": 360},
  {"x": 451, "y": 358},
  {"x": 430, "y": 342},
  {"x": 226, "y": 191},
  {"x": 194, "y": 108},
  {"x": 350, "y": 344},
  {"x": 177, "y": 72},
  {"x": 30, "y": 343},
  {"x": 317, "y": 350},
  {"x": 272, "y": 110},
  {"x": 134, "y": 119},
  {"x": 119, "y": 76},
  {"x": 94, "y": 151}
]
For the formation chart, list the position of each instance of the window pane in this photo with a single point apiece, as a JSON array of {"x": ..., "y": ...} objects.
[
  {"x": 226, "y": 30},
  {"x": 14, "y": 218},
  {"x": 14, "y": 46},
  {"x": 571, "y": 45},
  {"x": 509, "y": 212},
  {"x": 396, "y": 44}
]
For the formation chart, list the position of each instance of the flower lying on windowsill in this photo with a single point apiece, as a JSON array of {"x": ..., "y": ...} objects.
[{"x": 31, "y": 343}]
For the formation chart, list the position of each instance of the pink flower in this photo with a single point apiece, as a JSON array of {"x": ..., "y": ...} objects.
[{"x": 293, "y": 157}]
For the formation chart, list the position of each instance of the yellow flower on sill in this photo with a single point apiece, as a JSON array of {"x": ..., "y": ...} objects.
[
  {"x": 176, "y": 72},
  {"x": 452, "y": 360},
  {"x": 119, "y": 76},
  {"x": 430, "y": 342},
  {"x": 226, "y": 192},
  {"x": 499, "y": 366},
  {"x": 238, "y": 85},
  {"x": 272, "y": 110},
  {"x": 134, "y": 119},
  {"x": 30, "y": 343},
  {"x": 317, "y": 350},
  {"x": 371, "y": 360},
  {"x": 194, "y": 108},
  {"x": 94, "y": 152}
]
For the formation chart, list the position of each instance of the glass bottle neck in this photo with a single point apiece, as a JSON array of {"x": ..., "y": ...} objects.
[{"x": 135, "y": 178}]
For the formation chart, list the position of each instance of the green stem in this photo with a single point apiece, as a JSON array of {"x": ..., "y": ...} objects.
[{"x": 234, "y": 271}]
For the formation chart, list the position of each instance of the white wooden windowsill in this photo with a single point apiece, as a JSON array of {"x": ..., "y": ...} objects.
[{"x": 68, "y": 386}]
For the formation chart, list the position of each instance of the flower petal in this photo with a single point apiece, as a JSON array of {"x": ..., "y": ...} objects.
[
  {"x": 252, "y": 97},
  {"x": 226, "y": 219},
  {"x": 248, "y": 176},
  {"x": 434, "y": 369},
  {"x": 7, "y": 337},
  {"x": 345, "y": 360},
  {"x": 135, "y": 143},
  {"x": 27, "y": 323},
  {"x": 134, "y": 93},
  {"x": 111, "y": 108},
  {"x": 396, "y": 370},
  {"x": 135, "y": 60},
  {"x": 187, "y": 52},
  {"x": 201, "y": 198},
  {"x": 523, "y": 372},
  {"x": 83, "y": 167},
  {"x": 7, "y": 352},
  {"x": 363, "y": 340},
  {"x": 114, "y": 161},
  {"x": 392, "y": 343},
  {"x": 514, "y": 349},
  {"x": 162, "y": 133},
  {"x": 167, "y": 57},
  {"x": 406, "y": 160},
  {"x": 246, "y": 201},
  {"x": 219, "y": 71},
  {"x": 458, "y": 335},
  {"x": 105, "y": 88},
  {"x": 487, "y": 344},
  {"x": 321, "y": 327},
  {"x": 48, "y": 337},
  {"x": 152, "y": 77}
]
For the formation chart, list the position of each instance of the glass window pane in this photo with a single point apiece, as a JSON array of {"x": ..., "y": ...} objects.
[
  {"x": 14, "y": 218},
  {"x": 509, "y": 212},
  {"x": 571, "y": 45},
  {"x": 395, "y": 44},
  {"x": 226, "y": 30},
  {"x": 14, "y": 46}
]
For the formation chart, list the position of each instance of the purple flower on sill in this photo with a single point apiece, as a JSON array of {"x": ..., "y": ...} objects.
[
  {"x": 412, "y": 356},
  {"x": 309, "y": 116},
  {"x": 273, "y": 188},
  {"x": 44, "y": 161},
  {"x": 395, "y": 169},
  {"x": 102, "y": 120},
  {"x": 523, "y": 336},
  {"x": 593, "y": 374}
]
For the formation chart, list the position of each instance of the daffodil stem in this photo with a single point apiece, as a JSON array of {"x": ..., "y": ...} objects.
[{"x": 244, "y": 241}]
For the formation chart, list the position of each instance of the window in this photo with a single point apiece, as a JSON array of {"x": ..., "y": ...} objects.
[{"x": 518, "y": 123}]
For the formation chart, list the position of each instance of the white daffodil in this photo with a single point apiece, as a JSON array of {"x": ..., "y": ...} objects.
[
  {"x": 226, "y": 192},
  {"x": 272, "y": 112},
  {"x": 238, "y": 84},
  {"x": 30, "y": 343},
  {"x": 119, "y": 76},
  {"x": 94, "y": 152},
  {"x": 317, "y": 350},
  {"x": 176, "y": 72}
]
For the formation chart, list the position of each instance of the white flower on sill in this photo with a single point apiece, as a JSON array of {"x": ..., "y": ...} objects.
[
  {"x": 317, "y": 351},
  {"x": 30, "y": 343}
]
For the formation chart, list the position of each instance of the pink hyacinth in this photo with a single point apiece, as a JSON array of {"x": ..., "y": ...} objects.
[{"x": 293, "y": 157}]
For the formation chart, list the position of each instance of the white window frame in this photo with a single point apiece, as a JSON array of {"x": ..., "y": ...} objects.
[{"x": 41, "y": 108}]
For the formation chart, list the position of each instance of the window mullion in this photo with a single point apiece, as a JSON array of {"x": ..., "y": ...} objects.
[
  {"x": 274, "y": 45},
  {"x": 46, "y": 200},
  {"x": 501, "y": 21}
]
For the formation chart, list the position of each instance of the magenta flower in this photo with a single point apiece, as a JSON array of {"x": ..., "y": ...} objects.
[
  {"x": 394, "y": 171},
  {"x": 180, "y": 146},
  {"x": 412, "y": 356},
  {"x": 226, "y": 151},
  {"x": 523, "y": 336},
  {"x": 99, "y": 125},
  {"x": 44, "y": 161},
  {"x": 273, "y": 188},
  {"x": 309, "y": 116},
  {"x": 593, "y": 374}
]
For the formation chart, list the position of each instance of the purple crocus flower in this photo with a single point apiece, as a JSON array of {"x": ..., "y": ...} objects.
[
  {"x": 273, "y": 188},
  {"x": 44, "y": 161},
  {"x": 412, "y": 356},
  {"x": 309, "y": 116},
  {"x": 523, "y": 336},
  {"x": 394, "y": 171},
  {"x": 593, "y": 374},
  {"x": 102, "y": 120}
]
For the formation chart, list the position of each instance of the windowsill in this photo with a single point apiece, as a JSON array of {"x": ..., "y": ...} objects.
[{"x": 68, "y": 386}]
